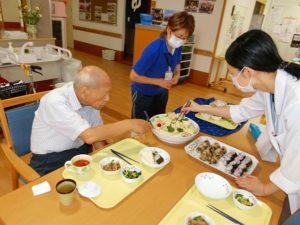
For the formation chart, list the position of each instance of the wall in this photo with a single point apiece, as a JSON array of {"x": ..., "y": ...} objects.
[
  {"x": 10, "y": 10},
  {"x": 232, "y": 29},
  {"x": 282, "y": 20},
  {"x": 205, "y": 32},
  {"x": 97, "y": 39}
]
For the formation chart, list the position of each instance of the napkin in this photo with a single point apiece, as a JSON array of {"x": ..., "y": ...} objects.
[{"x": 41, "y": 188}]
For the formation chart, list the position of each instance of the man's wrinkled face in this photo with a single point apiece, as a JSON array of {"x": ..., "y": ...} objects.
[{"x": 99, "y": 96}]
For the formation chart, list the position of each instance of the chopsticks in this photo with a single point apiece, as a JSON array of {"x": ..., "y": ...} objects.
[
  {"x": 182, "y": 114},
  {"x": 122, "y": 156},
  {"x": 224, "y": 214}
]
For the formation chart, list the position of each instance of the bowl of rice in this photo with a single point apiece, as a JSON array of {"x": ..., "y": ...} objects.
[{"x": 168, "y": 129}]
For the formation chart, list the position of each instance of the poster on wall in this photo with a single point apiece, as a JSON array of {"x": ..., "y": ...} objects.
[
  {"x": 99, "y": 11},
  {"x": 85, "y": 10},
  {"x": 200, "y": 6},
  {"x": 206, "y": 6},
  {"x": 112, "y": 12},
  {"x": 191, "y": 5}
]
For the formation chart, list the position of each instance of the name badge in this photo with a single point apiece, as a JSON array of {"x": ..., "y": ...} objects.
[{"x": 169, "y": 74}]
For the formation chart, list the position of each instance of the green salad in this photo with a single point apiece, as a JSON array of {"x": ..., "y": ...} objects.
[
  {"x": 131, "y": 174},
  {"x": 243, "y": 200}
]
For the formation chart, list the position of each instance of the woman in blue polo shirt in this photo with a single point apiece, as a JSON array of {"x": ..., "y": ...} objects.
[{"x": 158, "y": 68}]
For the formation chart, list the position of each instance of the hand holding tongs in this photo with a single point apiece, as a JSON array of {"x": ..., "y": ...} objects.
[
  {"x": 121, "y": 156},
  {"x": 182, "y": 113}
]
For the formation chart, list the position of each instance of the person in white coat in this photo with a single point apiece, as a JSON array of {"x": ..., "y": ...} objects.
[{"x": 256, "y": 66}]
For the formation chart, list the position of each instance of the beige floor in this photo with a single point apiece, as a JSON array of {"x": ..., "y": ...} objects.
[{"x": 120, "y": 104}]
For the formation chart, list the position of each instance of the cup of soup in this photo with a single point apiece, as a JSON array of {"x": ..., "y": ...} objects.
[{"x": 79, "y": 164}]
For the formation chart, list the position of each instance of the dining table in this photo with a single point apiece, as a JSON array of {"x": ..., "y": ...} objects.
[{"x": 147, "y": 205}]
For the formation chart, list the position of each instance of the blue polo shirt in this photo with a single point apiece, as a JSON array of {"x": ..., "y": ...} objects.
[{"x": 154, "y": 62}]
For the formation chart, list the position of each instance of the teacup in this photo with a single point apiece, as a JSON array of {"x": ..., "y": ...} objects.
[
  {"x": 79, "y": 164},
  {"x": 65, "y": 189}
]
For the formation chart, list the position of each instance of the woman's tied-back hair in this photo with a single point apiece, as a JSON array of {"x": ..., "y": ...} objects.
[
  {"x": 257, "y": 50},
  {"x": 181, "y": 20}
]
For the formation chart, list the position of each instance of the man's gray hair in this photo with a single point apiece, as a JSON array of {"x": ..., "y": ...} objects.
[{"x": 88, "y": 77}]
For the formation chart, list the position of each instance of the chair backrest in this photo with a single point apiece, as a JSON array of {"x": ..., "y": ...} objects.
[
  {"x": 16, "y": 116},
  {"x": 20, "y": 123},
  {"x": 293, "y": 219}
]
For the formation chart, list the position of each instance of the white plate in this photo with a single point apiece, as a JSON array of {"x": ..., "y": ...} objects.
[
  {"x": 89, "y": 189},
  {"x": 165, "y": 155},
  {"x": 213, "y": 185},
  {"x": 195, "y": 214},
  {"x": 190, "y": 149}
]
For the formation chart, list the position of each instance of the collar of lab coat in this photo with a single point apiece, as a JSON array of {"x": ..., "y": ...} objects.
[{"x": 279, "y": 92}]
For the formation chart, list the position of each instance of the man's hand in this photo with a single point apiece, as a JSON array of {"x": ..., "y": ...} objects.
[{"x": 140, "y": 126}]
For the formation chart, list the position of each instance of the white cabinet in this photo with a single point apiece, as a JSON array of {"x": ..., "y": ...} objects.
[{"x": 186, "y": 58}]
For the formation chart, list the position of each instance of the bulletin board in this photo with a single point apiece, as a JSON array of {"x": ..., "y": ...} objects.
[
  {"x": 98, "y": 11},
  {"x": 282, "y": 23}
]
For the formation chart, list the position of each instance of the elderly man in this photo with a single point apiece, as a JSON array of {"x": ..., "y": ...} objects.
[{"x": 68, "y": 121}]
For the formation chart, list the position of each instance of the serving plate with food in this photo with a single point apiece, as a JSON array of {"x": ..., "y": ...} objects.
[
  {"x": 171, "y": 129},
  {"x": 154, "y": 157},
  {"x": 198, "y": 218},
  {"x": 221, "y": 156}
]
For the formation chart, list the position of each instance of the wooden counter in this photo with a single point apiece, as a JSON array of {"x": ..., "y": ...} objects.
[
  {"x": 146, "y": 206},
  {"x": 19, "y": 42}
]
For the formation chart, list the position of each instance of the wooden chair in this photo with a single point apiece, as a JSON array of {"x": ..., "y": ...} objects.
[{"x": 16, "y": 117}]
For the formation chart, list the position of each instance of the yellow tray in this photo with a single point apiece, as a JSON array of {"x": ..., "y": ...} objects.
[
  {"x": 194, "y": 201},
  {"x": 222, "y": 122},
  {"x": 114, "y": 189}
]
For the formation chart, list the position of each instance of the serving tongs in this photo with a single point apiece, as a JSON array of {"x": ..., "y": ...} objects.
[
  {"x": 122, "y": 156},
  {"x": 148, "y": 118},
  {"x": 182, "y": 113}
]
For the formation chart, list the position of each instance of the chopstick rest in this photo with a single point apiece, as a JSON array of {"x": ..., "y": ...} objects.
[{"x": 41, "y": 188}]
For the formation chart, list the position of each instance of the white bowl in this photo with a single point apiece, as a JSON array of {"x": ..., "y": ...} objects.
[
  {"x": 247, "y": 196},
  {"x": 174, "y": 139},
  {"x": 131, "y": 168},
  {"x": 107, "y": 160},
  {"x": 213, "y": 185},
  {"x": 143, "y": 156},
  {"x": 196, "y": 214},
  {"x": 89, "y": 189}
]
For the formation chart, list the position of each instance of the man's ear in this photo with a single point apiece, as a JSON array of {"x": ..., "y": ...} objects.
[{"x": 83, "y": 93}]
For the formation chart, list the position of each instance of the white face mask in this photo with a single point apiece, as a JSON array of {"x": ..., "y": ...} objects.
[
  {"x": 247, "y": 88},
  {"x": 175, "y": 42}
]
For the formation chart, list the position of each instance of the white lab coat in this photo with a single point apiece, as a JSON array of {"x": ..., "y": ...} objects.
[{"x": 284, "y": 133}]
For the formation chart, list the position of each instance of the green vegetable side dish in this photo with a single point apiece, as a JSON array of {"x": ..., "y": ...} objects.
[
  {"x": 131, "y": 174},
  {"x": 197, "y": 220},
  {"x": 243, "y": 200}
]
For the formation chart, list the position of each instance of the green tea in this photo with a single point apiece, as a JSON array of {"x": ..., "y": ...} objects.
[{"x": 65, "y": 188}]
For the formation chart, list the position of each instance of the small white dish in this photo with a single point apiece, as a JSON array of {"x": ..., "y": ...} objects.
[
  {"x": 146, "y": 159},
  {"x": 213, "y": 185},
  {"x": 89, "y": 189},
  {"x": 247, "y": 197},
  {"x": 216, "y": 117},
  {"x": 131, "y": 173},
  {"x": 218, "y": 103},
  {"x": 205, "y": 115},
  {"x": 193, "y": 215},
  {"x": 108, "y": 160}
]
